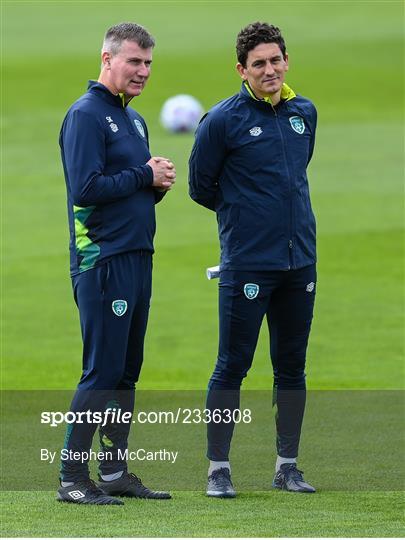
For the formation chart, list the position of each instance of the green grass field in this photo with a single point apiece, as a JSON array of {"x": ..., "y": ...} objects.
[{"x": 348, "y": 58}]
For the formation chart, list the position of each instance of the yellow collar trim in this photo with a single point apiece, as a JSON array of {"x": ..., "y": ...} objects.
[
  {"x": 122, "y": 96},
  {"x": 286, "y": 93}
]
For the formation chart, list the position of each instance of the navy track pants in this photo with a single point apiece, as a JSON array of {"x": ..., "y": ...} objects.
[
  {"x": 286, "y": 298},
  {"x": 113, "y": 301}
]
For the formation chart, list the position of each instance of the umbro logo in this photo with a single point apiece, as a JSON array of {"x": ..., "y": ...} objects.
[
  {"x": 310, "y": 287},
  {"x": 76, "y": 494},
  {"x": 256, "y": 131},
  {"x": 113, "y": 126}
]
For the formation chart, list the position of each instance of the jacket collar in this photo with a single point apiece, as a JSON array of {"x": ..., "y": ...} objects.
[
  {"x": 94, "y": 87},
  {"x": 286, "y": 93}
]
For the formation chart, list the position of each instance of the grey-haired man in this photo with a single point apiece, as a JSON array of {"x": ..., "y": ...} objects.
[{"x": 113, "y": 184}]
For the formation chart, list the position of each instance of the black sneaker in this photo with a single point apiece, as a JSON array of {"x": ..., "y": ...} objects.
[
  {"x": 129, "y": 485},
  {"x": 290, "y": 478},
  {"x": 85, "y": 492},
  {"x": 220, "y": 484}
]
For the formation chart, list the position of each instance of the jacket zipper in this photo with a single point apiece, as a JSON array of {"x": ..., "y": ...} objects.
[
  {"x": 131, "y": 127},
  {"x": 290, "y": 241}
]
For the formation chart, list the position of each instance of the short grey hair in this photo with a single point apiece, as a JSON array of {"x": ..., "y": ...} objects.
[{"x": 131, "y": 31}]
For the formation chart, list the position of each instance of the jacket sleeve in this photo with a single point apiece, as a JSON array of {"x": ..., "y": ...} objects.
[
  {"x": 206, "y": 160},
  {"x": 158, "y": 194},
  {"x": 83, "y": 147},
  {"x": 313, "y": 130}
]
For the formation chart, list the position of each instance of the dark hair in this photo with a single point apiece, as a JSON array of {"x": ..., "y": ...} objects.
[
  {"x": 255, "y": 33},
  {"x": 120, "y": 32}
]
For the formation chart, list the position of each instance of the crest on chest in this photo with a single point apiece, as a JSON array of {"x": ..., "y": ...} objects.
[{"x": 297, "y": 123}]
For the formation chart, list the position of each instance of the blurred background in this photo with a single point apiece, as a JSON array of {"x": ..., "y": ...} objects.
[{"x": 347, "y": 57}]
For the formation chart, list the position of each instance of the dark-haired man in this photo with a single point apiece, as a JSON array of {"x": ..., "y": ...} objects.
[
  {"x": 248, "y": 164},
  {"x": 113, "y": 184}
]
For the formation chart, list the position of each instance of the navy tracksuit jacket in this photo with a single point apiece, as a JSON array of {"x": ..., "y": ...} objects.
[
  {"x": 111, "y": 201},
  {"x": 248, "y": 164}
]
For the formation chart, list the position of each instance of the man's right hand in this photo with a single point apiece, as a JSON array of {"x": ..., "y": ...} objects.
[{"x": 164, "y": 173}]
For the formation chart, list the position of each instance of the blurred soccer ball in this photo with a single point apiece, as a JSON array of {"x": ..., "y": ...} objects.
[{"x": 181, "y": 113}]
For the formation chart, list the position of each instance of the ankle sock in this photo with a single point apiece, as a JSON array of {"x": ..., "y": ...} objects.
[
  {"x": 214, "y": 465},
  {"x": 66, "y": 484},
  {"x": 111, "y": 477},
  {"x": 281, "y": 460}
]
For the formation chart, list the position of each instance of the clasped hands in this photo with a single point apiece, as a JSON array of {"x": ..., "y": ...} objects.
[{"x": 164, "y": 173}]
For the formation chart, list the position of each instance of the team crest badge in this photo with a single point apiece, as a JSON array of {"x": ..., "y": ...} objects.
[
  {"x": 297, "y": 123},
  {"x": 256, "y": 131},
  {"x": 139, "y": 127},
  {"x": 119, "y": 307},
  {"x": 251, "y": 290}
]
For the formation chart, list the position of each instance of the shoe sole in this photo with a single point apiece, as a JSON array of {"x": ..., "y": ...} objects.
[
  {"x": 219, "y": 495},
  {"x": 130, "y": 495},
  {"x": 60, "y": 499},
  {"x": 155, "y": 495},
  {"x": 282, "y": 488}
]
